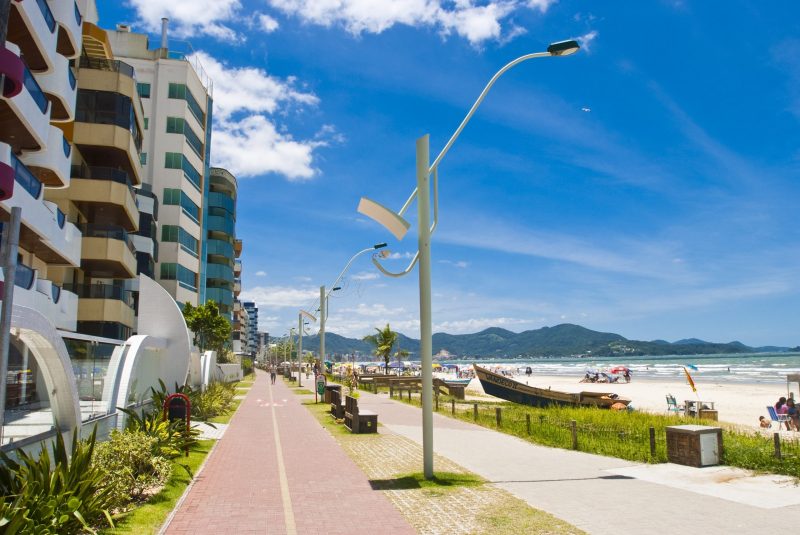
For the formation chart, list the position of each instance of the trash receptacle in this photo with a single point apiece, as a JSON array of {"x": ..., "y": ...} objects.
[
  {"x": 694, "y": 445},
  {"x": 328, "y": 389}
]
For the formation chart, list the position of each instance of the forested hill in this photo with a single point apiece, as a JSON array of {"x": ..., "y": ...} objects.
[{"x": 561, "y": 340}]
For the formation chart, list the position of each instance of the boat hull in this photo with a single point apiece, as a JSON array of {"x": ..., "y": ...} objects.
[{"x": 510, "y": 390}]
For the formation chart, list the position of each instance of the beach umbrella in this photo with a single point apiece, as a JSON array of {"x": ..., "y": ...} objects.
[
  {"x": 620, "y": 369},
  {"x": 436, "y": 365}
]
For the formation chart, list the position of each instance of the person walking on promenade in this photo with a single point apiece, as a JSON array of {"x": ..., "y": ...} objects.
[{"x": 272, "y": 374}]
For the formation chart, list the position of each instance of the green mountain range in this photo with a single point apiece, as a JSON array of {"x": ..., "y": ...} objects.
[{"x": 558, "y": 341}]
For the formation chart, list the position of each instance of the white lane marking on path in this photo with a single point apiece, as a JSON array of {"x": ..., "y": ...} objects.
[{"x": 288, "y": 512}]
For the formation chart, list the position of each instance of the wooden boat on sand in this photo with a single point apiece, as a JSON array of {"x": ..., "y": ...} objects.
[{"x": 503, "y": 387}]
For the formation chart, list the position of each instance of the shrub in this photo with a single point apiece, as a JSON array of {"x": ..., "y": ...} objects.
[
  {"x": 171, "y": 438},
  {"x": 59, "y": 494},
  {"x": 216, "y": 399},
  {"x": 247, "y": 366},
  {"x": 131, "y": 469}
]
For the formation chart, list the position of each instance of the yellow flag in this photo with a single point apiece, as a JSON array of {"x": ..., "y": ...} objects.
[{"x": 689, "y": 378}]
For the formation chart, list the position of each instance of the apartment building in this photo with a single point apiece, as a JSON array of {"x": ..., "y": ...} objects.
[
  {"x": 176, "y": 103},
  {"x": 223, "y": 268},
  {"x": 101, "y": 199},
  {"x": 251, "y": 330}
]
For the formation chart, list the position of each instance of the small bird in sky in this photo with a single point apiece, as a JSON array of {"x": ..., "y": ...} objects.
[{"x": 585, "y": 109}]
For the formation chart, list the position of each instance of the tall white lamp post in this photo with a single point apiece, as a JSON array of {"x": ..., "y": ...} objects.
[{"x": 397, "y": 225}]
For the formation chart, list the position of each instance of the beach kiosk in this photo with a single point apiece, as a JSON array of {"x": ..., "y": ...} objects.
[{"x": 792, "y": 378}]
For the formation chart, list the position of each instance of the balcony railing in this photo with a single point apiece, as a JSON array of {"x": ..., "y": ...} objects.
[
  {"x": 221, "y": 200},
  {"x": 111, "y": 232},
  {"x": 220, "y": 248},
  {"x": 47, "y": 14},
  {"x": 95, "y": 172},
  {"x": 33, "y": 88},
  {"x": 25, "y": 178},
  {"x": 101, "y": 291},
  {"x": 24, "y": 276},
  {"x": 78, "y": 17},
  {"x": 55, "y": 292},
  {"x": 72, "y": 80},
  {"x": 61, "y": 218},
  {"x": 66, "y": 146},
  {"x": 101, "y": 64}
]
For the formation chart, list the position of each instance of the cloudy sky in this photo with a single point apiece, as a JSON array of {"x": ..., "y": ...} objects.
[{"x": 646, "y": 186}]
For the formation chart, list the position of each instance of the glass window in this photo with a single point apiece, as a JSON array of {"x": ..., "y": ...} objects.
[
  {"x": 146, "y": 123},
  {"x": 106, "y": 107},
  {"x": 185, "y": 276},
  {"x": 143, "y": 158},
  {"x": 180, "y": 91},
  {"x": 174, "y": 197},
  {"x": 173, "y": 160},
  {"x": 143, "y": 90},
  {"x": 176, "y": 160}
]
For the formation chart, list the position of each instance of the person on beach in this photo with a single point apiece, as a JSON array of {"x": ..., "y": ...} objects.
[
  {"x": 794, "y": 416},
  {"x": 764, "y": 423},
  {"x": 782, "y": 408},
  {"x": 528, "y": 371}
]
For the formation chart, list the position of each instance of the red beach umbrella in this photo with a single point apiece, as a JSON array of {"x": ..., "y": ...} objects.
[{"x": 620, "y": 369}]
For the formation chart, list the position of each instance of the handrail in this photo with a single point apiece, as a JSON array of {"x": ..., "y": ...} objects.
[
  {"x": 112, "y": 232},
  {"x": 101, "y": 291},
  {"x": 103, "y": 64}
]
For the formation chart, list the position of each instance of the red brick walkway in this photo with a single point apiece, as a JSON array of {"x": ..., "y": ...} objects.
[{"x": 301, "y": 483}]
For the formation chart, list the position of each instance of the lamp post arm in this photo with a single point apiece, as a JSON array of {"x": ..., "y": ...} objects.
[
  {"x": 399, "y": 274},
  {"x": 472, "y": 110}
]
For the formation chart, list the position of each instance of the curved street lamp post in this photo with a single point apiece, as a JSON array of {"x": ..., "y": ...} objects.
[{"x": 398, "y": 226}]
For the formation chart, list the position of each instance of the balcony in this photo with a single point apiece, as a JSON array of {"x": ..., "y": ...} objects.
[
  {"x": 32, "y": 26},
  {"x": 219, "y": 272},
  {"x": 61, "y": 87},
  {"x": 107, "y": 251},
  {"x": 44, "y": 230},
  {"x": 222, "y": 200},
  {"x": 103, "y": 303},
  {"x": 221, "y": 296},
  {"x": 69, "y": 20},
  {"x": 220, "y": 224},
  {"x": 237, "y": 287},
  {"x": 25, "y": 113},
  {"x": 237, "y": 248},
  {"x": 219, "y": 248},
  {"x": 43, "y": 295},
  {"x": 51, "y": 165},
  {"x": 103, "y": 194},
  {"x": 110, "y": 75},
  {"x": 237, "y": 267}
]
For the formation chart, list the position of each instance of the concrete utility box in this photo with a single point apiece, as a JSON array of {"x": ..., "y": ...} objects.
[{"x": 694, "y": 445}]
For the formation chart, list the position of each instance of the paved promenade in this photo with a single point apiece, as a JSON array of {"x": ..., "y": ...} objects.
[
  {"x": 276, "y": 470},
  {"x": 603, "y": 495}
]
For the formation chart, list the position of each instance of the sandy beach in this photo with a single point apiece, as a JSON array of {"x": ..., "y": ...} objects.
[{"x": 737, "y": 403}]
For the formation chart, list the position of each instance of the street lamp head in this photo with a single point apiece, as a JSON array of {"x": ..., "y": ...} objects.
[
  {"x": 563, "y": 48},
  {"x": 379, "y": 245},
  {"x": 336, "y": 288},
  {"x": 386, "y": 217}
]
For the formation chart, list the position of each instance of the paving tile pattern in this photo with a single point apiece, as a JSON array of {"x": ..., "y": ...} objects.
[{"x": 239, "y": 490}]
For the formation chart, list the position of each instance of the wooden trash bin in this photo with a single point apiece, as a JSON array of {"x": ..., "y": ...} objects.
[
  {"x": 329, "y": 389},
  {"x": 694, "y": 445}
]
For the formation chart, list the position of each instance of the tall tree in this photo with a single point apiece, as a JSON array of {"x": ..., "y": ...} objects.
[
  {"x": 383, "y": 340},
  {"x": 211, "y": 330}
]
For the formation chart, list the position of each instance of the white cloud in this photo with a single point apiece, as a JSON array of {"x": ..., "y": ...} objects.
[
  {"x": 261, "y": 273},
  {"x": 475, "y": 21},
  {"x": 279, "y": 296},
  {"x": 461, "y": 264},
  {"x": 190, "y": 17},
  {"x": 267, "y": 23},
  {"x": 400, "y": 256},
  {"x": 365, "y": 276},
  {"x": 247, "y": 141},
  {"x": 586, "y": 40},
  {"x": 474, "y": 325}
]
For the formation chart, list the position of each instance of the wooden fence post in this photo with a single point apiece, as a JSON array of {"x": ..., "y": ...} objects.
[
  {"x": 777, "y": 438},
  {"x": 574, "y": 427},
  {"x": 437, "y": 401},
  {"x": 528, "y": 422},
  {"x": 475, "y": 411},
  {"x": 453, "y": 406},
  {"x": 652, "y": 442},
  {"x": 409, "y": 395},
  {"x": 497, "y": 416}
]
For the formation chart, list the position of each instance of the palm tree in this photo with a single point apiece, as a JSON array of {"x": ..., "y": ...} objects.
[{"x": 383, "y": 340}]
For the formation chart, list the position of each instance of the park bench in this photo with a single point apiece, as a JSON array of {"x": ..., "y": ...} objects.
[
  {"x": 359, "y": 421},
  {"x": 404, "y": 384},
  {"x": 457, "y": 391},
  {"x": 337, "y": 409}
]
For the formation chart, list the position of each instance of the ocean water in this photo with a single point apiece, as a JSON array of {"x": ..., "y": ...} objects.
[{"x": 735, "y": 368}]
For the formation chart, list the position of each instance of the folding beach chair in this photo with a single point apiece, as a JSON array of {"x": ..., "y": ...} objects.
[
  {"x": 672, "y": 405},
  {"x": 781, "y": 419}
]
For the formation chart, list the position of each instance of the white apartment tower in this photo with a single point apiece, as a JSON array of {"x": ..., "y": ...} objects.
[{"x": 176, "y": 101}]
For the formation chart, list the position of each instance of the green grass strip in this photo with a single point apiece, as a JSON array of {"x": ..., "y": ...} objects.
[{"x": 149, "y": 517}]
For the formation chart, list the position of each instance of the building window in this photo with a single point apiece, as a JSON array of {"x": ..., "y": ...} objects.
[
  {"x": 176, "y": 160},
  {"x": 106, "y": 107},
  {"x": 174, "y": 233},
  {"x": 177, "y": 125},
  {"x": 180, "y": 91},
  {"x": 143, "y": 90},
  {"x": 185, "y": 276},
  {"x": 176, "y": 197},
  {"x": 146, "y": 123},
  {"x": 143, "y": 158}
]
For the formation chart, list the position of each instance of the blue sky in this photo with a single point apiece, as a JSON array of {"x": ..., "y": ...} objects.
[{"x": 645, "y": 186}]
